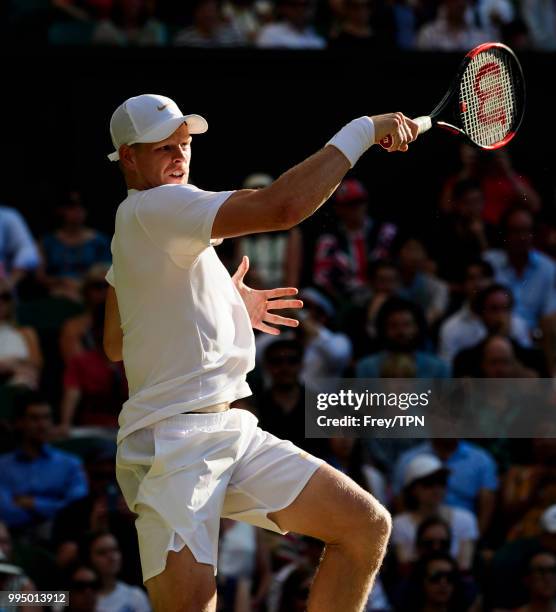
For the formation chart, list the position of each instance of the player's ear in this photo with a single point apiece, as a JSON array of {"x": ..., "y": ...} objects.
[{"x": 127, "y": 157}]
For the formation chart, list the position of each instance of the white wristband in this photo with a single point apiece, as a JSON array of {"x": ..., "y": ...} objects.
[{"x": 355, "y": 138}]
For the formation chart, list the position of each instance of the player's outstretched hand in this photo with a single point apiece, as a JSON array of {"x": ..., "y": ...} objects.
[
  {"x": 401, "y": 129},
  {"x": 259, "y": 303}
]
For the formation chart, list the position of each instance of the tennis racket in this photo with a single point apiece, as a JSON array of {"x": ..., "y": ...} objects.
[{"x": 485, "y": 102}]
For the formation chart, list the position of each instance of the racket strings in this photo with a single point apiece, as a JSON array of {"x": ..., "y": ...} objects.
[{"x": 488, "y": 100}]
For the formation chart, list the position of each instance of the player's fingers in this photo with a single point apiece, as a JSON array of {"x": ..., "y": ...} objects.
[
  {"x": 241, "y": 269},
  {"x": 280, "y": 292},
  {"x": 267, "y": 329},
  {"x": 414, "y": 128},
  {"x": 279, "y": 320},
  {"x": 279, "y": 304}
]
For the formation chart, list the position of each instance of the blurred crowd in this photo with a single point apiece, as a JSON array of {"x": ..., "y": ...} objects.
[
  {"x": 473, "y": 294},
  {"x": 441, "y": 25}
]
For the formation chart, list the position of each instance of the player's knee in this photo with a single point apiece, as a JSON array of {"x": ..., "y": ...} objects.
[{"x": 371, "y": 530}]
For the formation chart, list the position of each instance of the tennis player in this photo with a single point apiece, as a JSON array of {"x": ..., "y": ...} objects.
[{"x": 183, "y": 327}]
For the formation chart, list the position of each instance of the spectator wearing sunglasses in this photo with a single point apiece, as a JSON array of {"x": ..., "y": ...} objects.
[
  {"x": 434, "y": 535},
  {"x": 20, "y": 354},
  {"x": 540, "y": 581},
  {"x": 82, "y": 586},
  {"x": 436, "y": 585},
  {"x": 424, "y": 491}
]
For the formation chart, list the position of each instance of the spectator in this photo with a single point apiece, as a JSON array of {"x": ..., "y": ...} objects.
[
  {"x": 348, "y": 456},
  {"x": 490, "y": 314},
  {"x": 20, "y": 352},
  {"x": 131, "y": 23},
  {"x": 506, "y": 590},
  {"x": 15, "y": 577},
  {"x": 540, "y": 17},
  {"x": 451, "y": 30},
  {"x": 243, "y": 18},
  {"x": 471, "y": 164},
  {"x": 417, "y": 283},
  {"x": 477, "y": 275},
  {"x": 18, "y": 253},
  {"x": 505, "y": 189},
  {"x": 460, "y": 236},
  {"x": 76, "y": 334},
  {"x": 270, "y": 254},
  {"x": 294, "y": 30},
  {"x": 327, "y": 353},
  {"x": 37, "y": 480},
  {"x": 208, "y": 28},
  {"x": 114, "y": 595},
  {"x": 401, "y": 330},
  {"x": 94, "y": 386},
  {"x": 355, "y": 30},
  {"x": 433, "y": 535},
  {"x": 494, "y": 15},
  {"x": 71, "y": 250},
  {"x": 529, "y": 274},
  {"x": 436, "y": 585},
  {"x": 82, "y": 586},
  {"x": 425, "y": 482},
  {"x": 342, "y": 256},
  {"x": 472, "y": 482},
  {"x": 540, "y": 581},
  {"x": 360, "y": 321},
  {"x": 281, "y": 407},
  {"x": 102, "y": 509}
]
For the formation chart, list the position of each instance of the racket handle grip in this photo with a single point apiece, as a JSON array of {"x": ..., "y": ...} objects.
[{"x": 424, "y": 124}]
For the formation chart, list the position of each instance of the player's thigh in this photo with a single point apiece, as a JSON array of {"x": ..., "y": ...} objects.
[
  {"x": 333, "y": 508},
  {"x": 184, "y": 586}
]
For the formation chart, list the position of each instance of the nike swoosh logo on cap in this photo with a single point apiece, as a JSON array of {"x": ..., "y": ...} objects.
[{"x": 161, "y": 108}]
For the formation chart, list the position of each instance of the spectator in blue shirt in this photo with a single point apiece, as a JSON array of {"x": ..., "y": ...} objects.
[
  {"x": 530, "y": 274},
  {"x": 473, "y": 480},
  {"x": 401, "y": 329},
  {"x": 18, "y": 252},
  {"x": 37, "y": 480}
]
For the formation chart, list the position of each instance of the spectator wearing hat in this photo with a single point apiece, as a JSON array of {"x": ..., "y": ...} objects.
[
  {"x": 71, "y": 250},
  {"x": 274, "y": 257},
  {"x": 343, "y": 255},
  {"x": 294, "y": 28},
  {"x": 472, "y": 481},
  {"x": 401, "y": 330},
  {"x": 37, "y": 480},
  {"x": 540, "y": 582},
  {"x": 18, "y": 252},
  {"x": 425, "y": 483}
]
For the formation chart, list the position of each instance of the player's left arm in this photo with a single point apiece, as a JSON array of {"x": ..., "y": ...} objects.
[{"x": 113, "y": 336}]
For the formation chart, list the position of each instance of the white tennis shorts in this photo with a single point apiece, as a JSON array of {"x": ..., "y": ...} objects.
[{"x": 183, "y": 473}]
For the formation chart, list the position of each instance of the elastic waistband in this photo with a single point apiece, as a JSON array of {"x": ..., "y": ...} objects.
[{"x": 221, "y": 407}]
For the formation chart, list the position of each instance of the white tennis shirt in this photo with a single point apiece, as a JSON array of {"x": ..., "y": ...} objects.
[{"x": 187, "y": 337}]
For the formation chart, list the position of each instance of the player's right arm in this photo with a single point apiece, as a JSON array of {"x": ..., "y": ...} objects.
[{"x": 299, "y": 192}]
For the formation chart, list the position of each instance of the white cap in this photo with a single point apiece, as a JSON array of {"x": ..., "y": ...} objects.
[
  {"x": 149, "y": 118},
  {"x": 548, "y": 519},
  {"x": 422, "y": 466}
]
